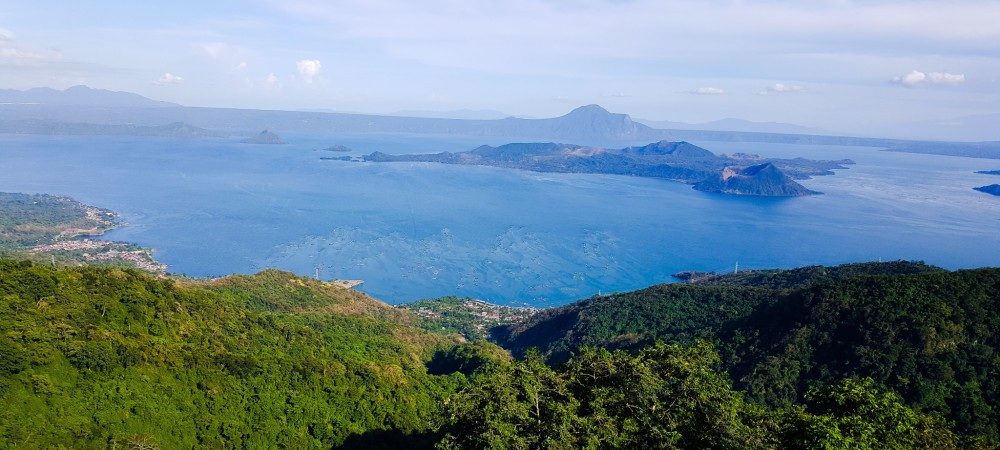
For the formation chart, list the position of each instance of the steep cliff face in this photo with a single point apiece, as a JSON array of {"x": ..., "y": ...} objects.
[{"x": 761, "y": 179}]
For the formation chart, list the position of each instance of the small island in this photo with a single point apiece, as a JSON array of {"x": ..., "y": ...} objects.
[
  {"x": 338, "y": 148},
  {"x": 738, "y": 174},
  {"x": 761, "y": 179},
  {"x": 991, "y": 189},
  {"x": 264, "y": 137},
  {"x": 989, "y": 172}
]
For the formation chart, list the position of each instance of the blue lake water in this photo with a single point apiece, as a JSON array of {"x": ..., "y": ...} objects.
[{"x": 415, "y": 230}]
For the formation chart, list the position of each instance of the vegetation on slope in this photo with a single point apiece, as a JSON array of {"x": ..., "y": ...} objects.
[
  {"x": 671, "y": 397},
  {"x": 96, "y": 358},
  {"x": 934, "y": 338},
  {"x": 930, "y": 335},
  {"x": 28, "y": 220},
  {"x": 99, "y": 358}
]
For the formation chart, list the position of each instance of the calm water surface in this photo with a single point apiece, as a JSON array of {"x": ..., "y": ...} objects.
[{"x": 415, "y": 230}]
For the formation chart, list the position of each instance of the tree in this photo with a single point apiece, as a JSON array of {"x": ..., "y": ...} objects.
[{"x": 854, "y": 414}]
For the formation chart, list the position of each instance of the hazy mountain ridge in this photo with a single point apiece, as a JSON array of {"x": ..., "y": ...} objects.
[
  {"x": 732, "y": 124},
  {"x": 461, "y": 114},
  {"x": 175, "y": 129},
  {"x": 78, "y": 96},
  {"x": 588, "y": 124}
]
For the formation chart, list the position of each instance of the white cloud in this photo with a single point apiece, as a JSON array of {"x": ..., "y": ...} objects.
[
  {"x": 169, "y": 79},
  {"x": 781, "y": 88},
  {"x": 947, "y": 78},
  {"x": 241, "y": 66},
  {"x": 911, "y": 79},
  {"x": 309, "y": 69},
  {"x": 917, "y": 78},
  {"x": 272, "y": 81},
  {"x": 543, "y": 36},
  {"x": 6, "y": 35},
  {"x": 707, "y": 91}
]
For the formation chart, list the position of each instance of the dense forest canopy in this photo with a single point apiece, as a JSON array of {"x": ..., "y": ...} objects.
[
  {"x": 105, "y": 357},
  {"x": 930, "y": 335}
]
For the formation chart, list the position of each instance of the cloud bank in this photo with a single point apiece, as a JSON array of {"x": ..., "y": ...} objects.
[
  {"x": 781, "y": 88},
  {"x": 917, "y": 78},
  {"x": 707, "y": 91},
  {"x": 169, "y": 79}
]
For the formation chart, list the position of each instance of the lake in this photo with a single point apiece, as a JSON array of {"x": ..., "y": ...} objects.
[{"x": 213, "y": 207}]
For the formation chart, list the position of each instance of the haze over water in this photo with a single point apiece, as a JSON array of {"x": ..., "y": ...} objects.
[{"x": 418, "y": 230}]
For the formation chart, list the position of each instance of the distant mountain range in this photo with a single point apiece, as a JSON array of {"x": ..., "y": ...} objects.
[
  {"x": 175, "y": 129},
  {"x": 587, "y": 125},
  {"x": 982, "y": 127},
  {"x": 463, "y": 114},
  {"x": 730, "y": 124},
  {"x": 77, "y": 96}
]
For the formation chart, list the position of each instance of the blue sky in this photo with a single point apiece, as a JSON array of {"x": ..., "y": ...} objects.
[{"x": 851, "y": 66}]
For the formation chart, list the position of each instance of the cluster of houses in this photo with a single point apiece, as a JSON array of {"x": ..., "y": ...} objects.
[{"x": 106, "y": 251}]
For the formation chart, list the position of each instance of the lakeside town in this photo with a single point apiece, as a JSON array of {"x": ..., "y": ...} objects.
[
  {"x": 107, "y": 251},
  {"x": 473, "y": 318}
]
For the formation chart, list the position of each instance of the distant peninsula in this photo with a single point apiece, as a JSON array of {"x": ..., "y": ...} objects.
[
  {"x": 264, "y": 137},
  {"x": 47, "y": 127},
  {"x": 739, "y": 174},
  {"x": 991, "y": 189},
  {"x": 54, "y": 229},
  {"x": 989, "y": 172}
]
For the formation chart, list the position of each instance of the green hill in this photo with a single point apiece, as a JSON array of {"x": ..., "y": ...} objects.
[
  {"x": 931, "y": 335},
  {"x": 116, "y": 358},
  {"x": 104, "y": 358}
]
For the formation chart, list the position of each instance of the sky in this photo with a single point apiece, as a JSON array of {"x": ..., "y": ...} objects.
[{"x": 848, "y": 66}]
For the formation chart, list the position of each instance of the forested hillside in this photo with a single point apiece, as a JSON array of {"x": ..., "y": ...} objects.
[
  {"x": 932, "y": 336},
  {"x": 674, "y": 397},
  {"x": 116, "y": 358},
  {"x": 111, "y": 358}
]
